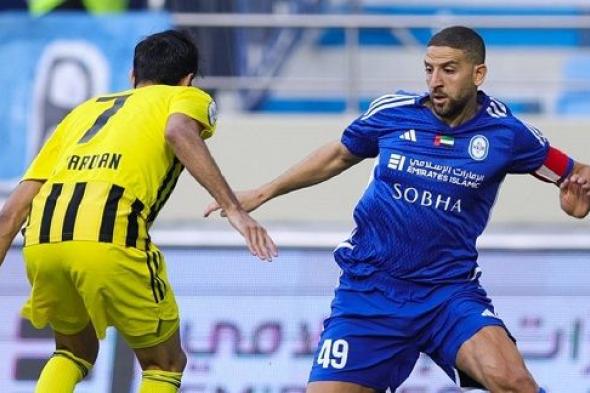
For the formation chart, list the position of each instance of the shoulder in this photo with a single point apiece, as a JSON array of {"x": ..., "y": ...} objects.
[
  {"x": 191, "y": 91},
  {"x": 520, "y": 130},
  {"x": 392, "y": 105}
]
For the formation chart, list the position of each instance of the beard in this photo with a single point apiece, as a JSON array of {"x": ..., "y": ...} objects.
[{"x": 452, "y": 108}]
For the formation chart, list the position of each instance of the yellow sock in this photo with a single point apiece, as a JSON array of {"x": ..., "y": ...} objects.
[
  {"x": 158, "y": 381},
  {"x": 62, "y": 372}
]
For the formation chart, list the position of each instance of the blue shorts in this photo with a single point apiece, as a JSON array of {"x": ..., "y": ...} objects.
[{"x": 374, "y": 341}]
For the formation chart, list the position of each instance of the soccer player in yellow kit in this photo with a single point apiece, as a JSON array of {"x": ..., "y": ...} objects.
[{"x": 91, "y": 196}]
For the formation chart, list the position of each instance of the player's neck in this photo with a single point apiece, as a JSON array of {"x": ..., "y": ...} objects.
[{"x": 144, "y": 84}]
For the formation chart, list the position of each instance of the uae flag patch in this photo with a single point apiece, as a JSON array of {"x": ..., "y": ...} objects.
[{"x": 444, "y": 140}]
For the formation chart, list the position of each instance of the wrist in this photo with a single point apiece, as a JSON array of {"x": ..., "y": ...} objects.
[
  {"x": 234, "y": 207},
  {"x": 268, "y": 192}
]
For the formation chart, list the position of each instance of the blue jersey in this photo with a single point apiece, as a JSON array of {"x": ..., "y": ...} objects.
[{"x": 432, "y": 187}]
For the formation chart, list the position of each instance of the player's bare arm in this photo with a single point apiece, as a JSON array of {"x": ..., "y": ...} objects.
[
  {"x": 14, "y": 213},
  {"x": 575, "y": 192},
  {"x": 182, "y": 134},
  {"x": 321, "y": 165}
]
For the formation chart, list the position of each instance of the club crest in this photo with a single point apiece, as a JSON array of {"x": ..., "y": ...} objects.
[{"x": 478, "y": 147}]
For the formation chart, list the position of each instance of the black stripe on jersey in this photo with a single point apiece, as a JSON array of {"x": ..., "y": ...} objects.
[
  {"x": 132, "y": 225},
  {"x": 168, "y": 179},
  {"x": 109, "y": 214},
  {"x": 67, "y": 232},
  {"x": 158, "y": 280},
  {"x": 152, "y": 279},
  {"x": 178, "y": 171},
  {"x": 157, "y": 259},
  {"x": 48, "y": 211}
]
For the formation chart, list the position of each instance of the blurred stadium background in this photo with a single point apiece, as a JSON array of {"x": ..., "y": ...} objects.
[{"x": 289, "y": 75}]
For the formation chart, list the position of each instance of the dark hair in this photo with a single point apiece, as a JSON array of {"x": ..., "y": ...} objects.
[
  {"x": 165, "y": 58},
  {"x": 463, "y": 38}
]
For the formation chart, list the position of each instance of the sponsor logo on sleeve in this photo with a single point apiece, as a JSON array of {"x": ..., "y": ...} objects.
[{"x": 212, "y": 113}]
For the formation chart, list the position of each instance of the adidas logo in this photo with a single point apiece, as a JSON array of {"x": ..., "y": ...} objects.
[
  {"x": 409, "y": 135},
  {"x": 488, "y": 313}
]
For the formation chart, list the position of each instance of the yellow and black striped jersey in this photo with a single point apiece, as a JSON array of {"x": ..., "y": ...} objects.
[{"x": 108, "y": 167}]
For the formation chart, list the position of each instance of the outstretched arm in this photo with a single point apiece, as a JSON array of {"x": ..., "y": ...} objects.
[
  {"x": 575, "y": 191},
  {"x": 15, "y": 212},
  {"x": 321, "y": 165},
  {"x": 183, "y": 136}
]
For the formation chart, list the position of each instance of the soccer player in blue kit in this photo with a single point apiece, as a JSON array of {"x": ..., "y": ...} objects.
[{"x": 410, "y": 279}]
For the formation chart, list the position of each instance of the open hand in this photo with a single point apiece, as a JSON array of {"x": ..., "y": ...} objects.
[
  {"x": 259, "y": 242},
  {"x": 575, "y": 194}
]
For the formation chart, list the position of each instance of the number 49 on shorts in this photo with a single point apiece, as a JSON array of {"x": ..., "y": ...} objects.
[{"x": 333, "y": 354}]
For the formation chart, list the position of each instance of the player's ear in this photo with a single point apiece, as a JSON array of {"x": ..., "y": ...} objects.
[
  {"x": 187, "y": 80},
  {"x": 479, "y": 74},
  {"x": 132, "y": 77}
]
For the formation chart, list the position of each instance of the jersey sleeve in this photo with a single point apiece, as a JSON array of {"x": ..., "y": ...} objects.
[
  {"x": 198, "y": 105},
  {"x": 46, "y": 160},
  {"x": 533, "y": 154},
  {"x": 361, "y": 137},
  {"x": 529, "y": 150}
]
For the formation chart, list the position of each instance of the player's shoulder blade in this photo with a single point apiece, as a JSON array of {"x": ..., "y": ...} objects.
[{"x": 390, "y": 102}]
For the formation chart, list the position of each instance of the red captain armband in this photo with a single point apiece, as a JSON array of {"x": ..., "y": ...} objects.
[{"x": 557, "y": 166}]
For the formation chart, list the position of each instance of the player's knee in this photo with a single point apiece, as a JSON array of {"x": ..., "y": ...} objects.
[
  {"x": 180, "y": 362},
  {"x": 174, "y": 361},
  {"x": 88, "y": 351}
]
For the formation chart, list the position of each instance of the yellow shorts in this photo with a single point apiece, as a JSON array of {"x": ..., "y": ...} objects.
[{"x": 77, "y": 282}]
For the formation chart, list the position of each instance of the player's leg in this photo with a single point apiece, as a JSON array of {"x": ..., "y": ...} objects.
[
  {"x": 145, "y": 312},
  {"x": 491, "y": 357},
  {"x": 470, "y": 342},
  {"x": 361, "y": 355},
  {"x": 72, "y": 360},
  {"x": 365, "y": 346},
  {"x": 162, "y": 363},
  {"x": 337, "y": 387},
  {"x": 55, "y": 300}
]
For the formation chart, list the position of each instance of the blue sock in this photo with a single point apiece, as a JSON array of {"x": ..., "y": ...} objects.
[{"x": 541, "y": 390}]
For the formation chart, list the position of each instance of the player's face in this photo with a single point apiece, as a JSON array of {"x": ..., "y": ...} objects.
[{"x": 452, "y": 79}]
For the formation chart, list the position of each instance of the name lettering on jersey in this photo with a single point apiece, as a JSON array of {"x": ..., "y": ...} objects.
[
  {"x": 94, "y": 161},
  {"x": 426, "y": 198},
  {"x": 441, "y": 173}
]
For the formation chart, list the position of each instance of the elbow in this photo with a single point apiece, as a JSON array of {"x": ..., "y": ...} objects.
[
  {"x": 8, "y": 219},
  {"x": 173, "y": 135}
]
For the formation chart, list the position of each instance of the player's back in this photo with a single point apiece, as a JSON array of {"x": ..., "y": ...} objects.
[{"x": 108, "y": 167}]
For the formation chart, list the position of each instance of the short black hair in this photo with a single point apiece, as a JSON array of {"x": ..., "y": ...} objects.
[
  {"x": 463, "y": 38},
  {"x": 165, "y": 58}
]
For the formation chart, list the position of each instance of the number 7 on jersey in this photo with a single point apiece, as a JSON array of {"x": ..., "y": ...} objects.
[{"x": 104, "y": 116}]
